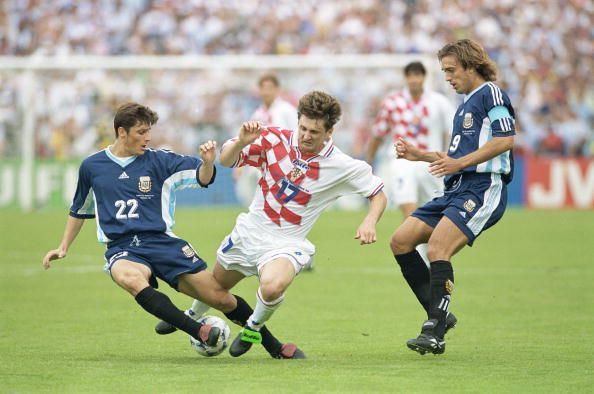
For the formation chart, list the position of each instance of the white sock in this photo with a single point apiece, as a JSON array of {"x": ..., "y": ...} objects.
[
  {"x": 422, "y": 249},
  {"x": 197, "y": 309},
  {"x": 263, "y": 311}
]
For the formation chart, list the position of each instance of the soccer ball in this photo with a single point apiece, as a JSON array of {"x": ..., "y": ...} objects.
[{"x": 211, "y": 351}]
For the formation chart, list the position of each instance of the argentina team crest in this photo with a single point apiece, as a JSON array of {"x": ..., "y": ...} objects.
[
  {"x": 469, "y": 205},
  {"x": 188, "y": 251},
  {"x": 467, "y": 120},
  {"x": 145, "y": 184}
]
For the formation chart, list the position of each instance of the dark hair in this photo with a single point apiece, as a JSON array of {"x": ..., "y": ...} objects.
[
  {"x": 320, "y": 105},
  {"x": 471, "y": 54},
  {"x": 415, "y": 68},
  {"x": 130, "y": 114},
  {"x": 270, "y": 77}
]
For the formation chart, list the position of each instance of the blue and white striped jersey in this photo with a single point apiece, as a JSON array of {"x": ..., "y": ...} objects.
[
  {"x": 132, "y": 195},
  {"x": 485, "y": 113}
]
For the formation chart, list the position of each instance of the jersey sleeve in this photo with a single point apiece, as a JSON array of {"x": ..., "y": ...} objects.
[
  {"x": 251, "y": 155},
  {"x": 362, "y": 181},
  {"x": 500, "y": 111},
  {"x": 254, "y": 155},
  {"x": 182, "y": 171},
  {"x": 83, "y": 203}
]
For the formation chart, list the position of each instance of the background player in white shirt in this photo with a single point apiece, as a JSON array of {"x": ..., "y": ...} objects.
[
  {"x": 424, "y": 118},
  {"x": 302, "y": 174},
  {"x": 274, "y": 111}
]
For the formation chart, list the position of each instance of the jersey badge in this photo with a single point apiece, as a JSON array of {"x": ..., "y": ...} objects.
[
  {"x": 467, "y": 120},
  {"x": 469, "y": 205},
  {"x": 295, "y": 174},
  {"x": 123, "y": 175},
  {"x": 188, "y": 251},
  {"x": 144, "y": 184}
]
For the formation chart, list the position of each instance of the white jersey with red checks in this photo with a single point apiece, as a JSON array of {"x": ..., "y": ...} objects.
[
  {"x": 296, "y": 188},
  {"x": 423, "y": 122}
]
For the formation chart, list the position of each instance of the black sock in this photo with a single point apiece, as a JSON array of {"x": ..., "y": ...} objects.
[
  {"x": 417, "y": 276},
  {"x": 442, "y": 286},
  {"x": 240, "y": 316},
  {"x": 159, "y": 305}
]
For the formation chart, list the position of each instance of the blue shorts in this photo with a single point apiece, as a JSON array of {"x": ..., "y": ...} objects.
[
  {"x": 473, "y": 201},
  {"x": 167, "y": 257}
]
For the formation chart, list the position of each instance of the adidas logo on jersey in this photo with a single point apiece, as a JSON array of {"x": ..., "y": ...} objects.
[{"x": 123, "y": 175}]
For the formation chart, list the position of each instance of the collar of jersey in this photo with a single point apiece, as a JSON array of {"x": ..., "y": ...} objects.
[
  {"x": 325, "y": 152},
  {"x": 473, "y": 92},
  {"x": 121, "y": 161}
]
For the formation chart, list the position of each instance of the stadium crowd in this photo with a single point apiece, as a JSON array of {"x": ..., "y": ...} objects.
[{"x": 545, "y": 60}]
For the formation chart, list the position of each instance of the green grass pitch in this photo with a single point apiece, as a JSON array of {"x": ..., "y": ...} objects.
[{"x": 524, "y": 298}]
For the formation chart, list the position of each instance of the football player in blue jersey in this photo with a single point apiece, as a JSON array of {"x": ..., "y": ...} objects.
[
  {"x": 476, "y": 169},
  {"x": 130, "y": 190}
]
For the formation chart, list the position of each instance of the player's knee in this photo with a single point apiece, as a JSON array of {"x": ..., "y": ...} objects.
[
  {"x": 398, "y": 244},
  {"x": 272, "y": 290},
  {"x": 131, "y": 280}
]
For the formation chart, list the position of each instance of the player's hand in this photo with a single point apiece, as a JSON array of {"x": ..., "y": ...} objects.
[
  {"x": 406, "y": 150},
  {"x": 53, "y": 255},
  {"x": 208, "y": 151},
  {"x": 446, "y": 165},
  {"x": 366, "y": 234},
  {"x": 249, "y": 132}
]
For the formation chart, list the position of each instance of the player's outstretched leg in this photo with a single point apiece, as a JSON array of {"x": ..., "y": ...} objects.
[
  {"x": 195, "y": 312},
  {"x": 159, "y": 305},
  {"x": 254, "y": 329},
  {"x": 427, "y": 341}
]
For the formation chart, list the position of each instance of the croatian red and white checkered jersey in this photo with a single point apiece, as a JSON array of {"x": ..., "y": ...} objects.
[
  {"x": 424, "y": 122},
  {"x": 295, "y": 187},
  {"x": 280, "y": 114}
]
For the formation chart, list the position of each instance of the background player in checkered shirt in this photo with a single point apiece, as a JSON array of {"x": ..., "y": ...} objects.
[
  {"x": 424, "y": 118},
  {"x": 302, "y": 174}
]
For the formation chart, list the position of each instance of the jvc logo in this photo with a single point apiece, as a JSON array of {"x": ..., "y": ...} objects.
[{"x": 560, "y": 183}]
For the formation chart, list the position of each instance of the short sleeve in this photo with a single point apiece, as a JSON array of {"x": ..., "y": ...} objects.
[
  {"x": 500, "y": 111},
  {"x": 362, "y": 181},
  {"x": 83, "y": 203}
]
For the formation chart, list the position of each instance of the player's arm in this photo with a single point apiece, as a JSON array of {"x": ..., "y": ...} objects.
[
  {"x": 448, "y": 165},
  {"x": 73, "y": 226},
  {"x": 406, "y": 150},
  {"x": 366, "y": 233},
  {"x": 248, "y": 133},
  {"x": 208, "y": 154}
]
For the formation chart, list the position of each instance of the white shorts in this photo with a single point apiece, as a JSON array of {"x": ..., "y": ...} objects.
[
  {"x": 411, "y": 182},
  {"x": 248, "y": 248}
]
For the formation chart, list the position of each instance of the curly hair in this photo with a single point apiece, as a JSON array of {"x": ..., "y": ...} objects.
[
  {"x": 471, "y": 54},
  {"x": 320, "y": 105},
  {"x": 130, "y": 114}
]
